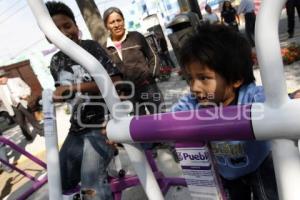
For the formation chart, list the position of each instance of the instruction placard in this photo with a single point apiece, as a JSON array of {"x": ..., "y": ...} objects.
[{"x": 199, "y": 172}]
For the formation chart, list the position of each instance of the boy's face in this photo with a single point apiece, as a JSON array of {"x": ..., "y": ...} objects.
[
  {"x": 66, "y": 25},
  {"x": 209, "y": 87},
  {"x": 208, "y": 9}
]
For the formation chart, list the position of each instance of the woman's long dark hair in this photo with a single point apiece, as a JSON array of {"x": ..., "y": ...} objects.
[{"x": 224, "y": 7}]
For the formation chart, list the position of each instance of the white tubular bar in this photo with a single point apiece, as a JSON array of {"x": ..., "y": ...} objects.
[
  {"x": 285, "y": 152},
  {"x": 142, "y": 167},
  {"x": 270, "y": 123},
  {"x": 116, "y": 126},
  {"x": 287, "y": 169},
  {"x": 268, "y": 52},
  {"x": 50, "y": 130},
  {"x": 107, "y": 89}
]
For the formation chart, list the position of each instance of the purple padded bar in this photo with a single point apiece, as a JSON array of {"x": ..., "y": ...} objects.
[
  {"x": 23, "y": 151},
  {"x": 227, "y": 123},
  {"x": 37, "y": 183}
]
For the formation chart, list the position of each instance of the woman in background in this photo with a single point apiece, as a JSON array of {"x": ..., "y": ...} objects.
[
  {"x": 137, "y": 61},
  {"x": 229, "y": 16}
]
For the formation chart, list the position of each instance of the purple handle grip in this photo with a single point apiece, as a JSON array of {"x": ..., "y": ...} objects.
[{"x": 227, "y": 123}]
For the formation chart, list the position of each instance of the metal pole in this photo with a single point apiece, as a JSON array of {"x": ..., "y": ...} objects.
[
  {"x": 285, "y": 152},
  {"x": 53, "y": 169}
]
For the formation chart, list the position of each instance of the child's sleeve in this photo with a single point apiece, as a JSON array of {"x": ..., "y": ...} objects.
[
  {"x": 259, "y": 95},
  {"x": 185, "y": 103}
]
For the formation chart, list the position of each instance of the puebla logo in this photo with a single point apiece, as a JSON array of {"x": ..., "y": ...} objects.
[{"x": 198, "y": 156}]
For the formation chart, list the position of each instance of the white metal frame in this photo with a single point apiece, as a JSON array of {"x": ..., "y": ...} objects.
[
  {"x": 285, "y": 152},
  {"x": 280, "y": 113}
]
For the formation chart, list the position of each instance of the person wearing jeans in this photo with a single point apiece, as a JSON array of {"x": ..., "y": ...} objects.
[
  {"x": 291, "y": 5},
  {"x": 4, "y": 157},
  {"x": 74, "y": 158},
  {"x": 247, "y": 8},
  {"x": 13, "y": 93},
  {"x": 22, "y": 115},
  {"x": 85, "y": 153}
]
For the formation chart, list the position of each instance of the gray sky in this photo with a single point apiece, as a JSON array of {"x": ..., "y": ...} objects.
[
  {"x": 20, "y": 37},
  {"x": 20, "y": 34}
]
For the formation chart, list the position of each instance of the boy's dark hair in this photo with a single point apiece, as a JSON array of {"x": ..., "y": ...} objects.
[
  {"x": 207, "y": 7},
  {"x": 110, "y": 11},
  {"x": 221, "y": 49},
  {"x": 55, "y": 8}
]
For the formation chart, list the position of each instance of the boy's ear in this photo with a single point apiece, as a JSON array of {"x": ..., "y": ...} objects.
[{"x": 237, "y": 84}]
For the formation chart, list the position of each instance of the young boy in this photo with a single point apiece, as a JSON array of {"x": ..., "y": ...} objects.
[
  {"x": 210, "y": 17},
  {"x": 85, "y": 154},
  {"x": 218, "y": 65}
]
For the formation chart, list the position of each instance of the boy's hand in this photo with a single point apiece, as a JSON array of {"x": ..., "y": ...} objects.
[
  {"x": 295, "y": 94},
  {"x": 103, "y": 132},
  {"x": 63, "y": 93}
]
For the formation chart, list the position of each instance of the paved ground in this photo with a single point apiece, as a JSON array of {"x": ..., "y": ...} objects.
[{"x": 12, "y": 184}]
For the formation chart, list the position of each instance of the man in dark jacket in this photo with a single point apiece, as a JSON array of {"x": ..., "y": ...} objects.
[{"x": 290, "y": 11}]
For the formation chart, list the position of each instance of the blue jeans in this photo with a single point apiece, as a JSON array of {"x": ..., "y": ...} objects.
[
  {"x": 84, "y": 157},
  {"x": 261, "y": 183}
]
